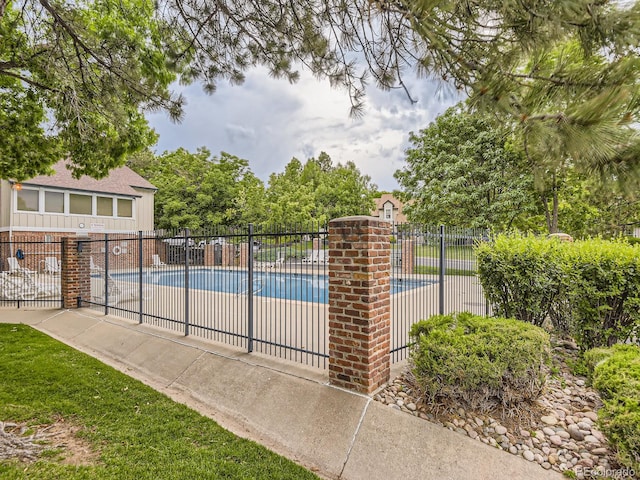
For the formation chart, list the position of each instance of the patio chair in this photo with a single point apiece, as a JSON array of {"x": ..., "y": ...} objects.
[
  {"x": 278, "y": 263},
  {"x": 23, "y": 286},
  {"x": 50, "y": 265},
  {"x": 14, "y": 266},
  {"x": 117, "y": 291},
  {"x": 156, "y": 262},
  {"x": 313, "y": 258},
  {"x": 93, "y": 267}
]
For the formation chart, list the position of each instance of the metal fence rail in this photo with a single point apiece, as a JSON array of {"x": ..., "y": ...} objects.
[
  {"x": 262, "y": 289},
  {"x": 31, "y": 273},
  {"x": 441, "y": 263}
]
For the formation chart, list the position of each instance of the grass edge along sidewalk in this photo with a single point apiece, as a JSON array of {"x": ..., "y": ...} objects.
[{"x": 134, "y": 431}]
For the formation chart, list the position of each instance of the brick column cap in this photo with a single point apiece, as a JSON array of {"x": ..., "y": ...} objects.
[{"x": 359, "y": 219}]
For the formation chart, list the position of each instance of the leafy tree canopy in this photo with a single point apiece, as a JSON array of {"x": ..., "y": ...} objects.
[
  {"x": 196, "y": 190},
  {"x": 74, "y": 78},
  {"x": 464, "y": 170},
  {"x": 318, "y": 191},
  {"x": 89, "y": 68}
]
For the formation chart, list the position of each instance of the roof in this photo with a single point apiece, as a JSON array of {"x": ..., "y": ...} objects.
[
  {"x": 120, "y": 181},
  {"x": 387, "y": 198}
]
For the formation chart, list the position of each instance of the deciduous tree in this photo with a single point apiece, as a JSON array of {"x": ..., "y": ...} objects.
[
  {"x": 91, "y": 68},
  {"x": 464, "y": 170}
]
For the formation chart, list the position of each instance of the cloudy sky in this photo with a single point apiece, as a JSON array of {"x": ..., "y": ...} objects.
[{"x": 268, "y": 121}]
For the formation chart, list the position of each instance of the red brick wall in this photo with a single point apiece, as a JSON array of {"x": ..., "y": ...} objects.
[
  {"x": 359, "y": 303},
  {"x": 75, "y": 278}
]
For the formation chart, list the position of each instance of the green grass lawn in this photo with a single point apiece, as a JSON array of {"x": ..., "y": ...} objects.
[{"x": 137, "y": 432}]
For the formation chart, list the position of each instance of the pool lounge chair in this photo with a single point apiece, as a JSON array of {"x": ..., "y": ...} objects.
[
  {"x": 23, "y": 286},
  {"x": 14, "y": 266},
  {"x": 93, "y": 267},
  {"x": 278, "y": 263},
  {"x": 317, "y": 256},
  {"x": 117, "y": 291},
  {"x": 50, "y": 265},
  {"x": 156, "y": 262}
]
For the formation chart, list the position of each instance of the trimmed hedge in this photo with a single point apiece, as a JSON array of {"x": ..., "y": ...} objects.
[
  {"x": 521, "y": 276},
  {"x": 588, "y": 288},
  {"x": 603, "y": 283},
  {"x": 480, "y": 361},
  {"x": 616, "y": 374}
]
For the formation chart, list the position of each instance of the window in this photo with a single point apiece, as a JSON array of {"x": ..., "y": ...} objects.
[
  {"x": 59, "y": 202},
  {"x": 125, "y": 207},
  {"x": 80, "y": 204},
  {"x": 388, "y": 211},
  {"x": 28, "y": 200},
  {"x": 53, "y": 202},
  {"x": 105, "y": 206}
]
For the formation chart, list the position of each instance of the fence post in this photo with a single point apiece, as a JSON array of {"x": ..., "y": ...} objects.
[
  {"x": 187, "y": 252},
  {"x": 442, "y": 269},
  {"x": 359, "y": 303},
  {"x": 250, "y": 291},
  {"x": 106, "y": 274},
  {"x": 140, "y": 289}
]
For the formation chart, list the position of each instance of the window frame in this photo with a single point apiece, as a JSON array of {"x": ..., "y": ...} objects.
[{"x": 42, "y": 191}]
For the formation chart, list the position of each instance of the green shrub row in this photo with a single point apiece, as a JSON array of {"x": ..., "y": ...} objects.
[
  {"x": 590, "y": 288},
  {"x": 616, "y": 374},
  {"x": 483, "y": 362}
]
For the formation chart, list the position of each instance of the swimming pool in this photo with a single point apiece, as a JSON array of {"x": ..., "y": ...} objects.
[{"x": 282, "y": 285}]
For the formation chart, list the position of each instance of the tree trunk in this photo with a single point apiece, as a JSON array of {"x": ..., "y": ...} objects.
[{"x": 554, "y": 217}]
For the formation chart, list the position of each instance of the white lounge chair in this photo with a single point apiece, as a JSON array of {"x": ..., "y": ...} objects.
[
  {"x": 117, "y": 291},
  {"x": 156, "y": 262},
  {"x": 14, "y": 266},
  {"x": 317, "y": 256},
  {"x": 22, "y": 285},
  {"x": 50, "y": 265},
  {"x": 93, "y": 267},
  {"x": 313, "y": 258}
]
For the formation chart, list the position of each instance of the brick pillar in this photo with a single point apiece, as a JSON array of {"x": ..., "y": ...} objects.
[
  {"x": 408, "y": 256},
  {"x": 244, "y": 255},
  {"x": 228, "y": 255},
  {"x": 359, "y": 303},
  {"x": 209, "y": 255},
  {"x": 76, "y": 276}
]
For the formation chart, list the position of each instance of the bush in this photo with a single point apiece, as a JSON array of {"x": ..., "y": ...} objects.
[
  {"x": 603, "y": 287},
  {"x": 616, "y": 375},
  {"x": 479, "y": 361},
  {"x": 521, "y": 276},
  {"x": 589, "y": 288}
]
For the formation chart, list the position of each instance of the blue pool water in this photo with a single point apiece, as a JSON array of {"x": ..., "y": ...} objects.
[{"x": 283, "y": 285}]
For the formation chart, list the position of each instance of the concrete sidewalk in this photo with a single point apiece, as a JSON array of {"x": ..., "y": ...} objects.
[{"x": 288, "y": 408}]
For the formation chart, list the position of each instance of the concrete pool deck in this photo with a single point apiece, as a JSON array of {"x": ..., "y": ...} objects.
[{"x": 288, "y": 408}]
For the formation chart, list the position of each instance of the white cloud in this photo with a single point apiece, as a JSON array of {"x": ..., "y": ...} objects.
[{"x": 268, "y": 121}]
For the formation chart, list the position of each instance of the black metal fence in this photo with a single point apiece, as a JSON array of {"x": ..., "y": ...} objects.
[
  {"x": 265, "y": 289},
  {"x": 30, "y": 272},
  {"x": 261, "y": 289},
  {"x": 441, "y": 277}
]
